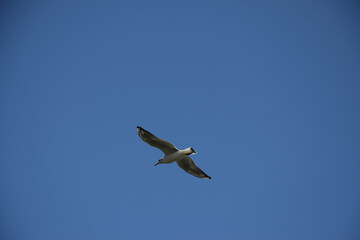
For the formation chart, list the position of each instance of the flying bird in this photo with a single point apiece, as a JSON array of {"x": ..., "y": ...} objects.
[{"x": 172, "y": 154}]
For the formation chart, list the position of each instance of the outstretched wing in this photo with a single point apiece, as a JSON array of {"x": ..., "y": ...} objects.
[
  {"x": 189, "y": 166},
  {"x": 165, "y": 146}
]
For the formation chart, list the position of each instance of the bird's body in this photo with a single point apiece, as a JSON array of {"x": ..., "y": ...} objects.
[
  {"x": 173, "y": 157},
  {"x": 172, "y": 154}
]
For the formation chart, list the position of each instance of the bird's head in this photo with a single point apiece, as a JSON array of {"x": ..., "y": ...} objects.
[{"x": 160, "y": 161}]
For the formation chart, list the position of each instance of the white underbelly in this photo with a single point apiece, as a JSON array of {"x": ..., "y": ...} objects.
[{"x": 174, "y": 157}]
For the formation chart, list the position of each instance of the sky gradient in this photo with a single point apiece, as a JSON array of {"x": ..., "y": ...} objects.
[{"x": 266, "y": 92}]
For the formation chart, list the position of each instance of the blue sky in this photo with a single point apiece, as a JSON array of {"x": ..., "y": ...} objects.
[{"x": 267, "y": 93}]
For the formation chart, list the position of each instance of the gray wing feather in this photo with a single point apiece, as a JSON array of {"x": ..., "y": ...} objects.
[
  {"x": 189, "y": 166},
  {"x": 165, "y": 146}
]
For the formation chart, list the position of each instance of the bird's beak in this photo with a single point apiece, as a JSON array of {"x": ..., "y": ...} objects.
[{"x": 156, "y": 164}]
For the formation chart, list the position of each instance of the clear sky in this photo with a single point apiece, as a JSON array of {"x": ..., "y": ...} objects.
[{"x": 267, "y": 93}]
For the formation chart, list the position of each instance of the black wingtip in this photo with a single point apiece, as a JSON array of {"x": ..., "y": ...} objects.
[{"x": 209, "y": 177}]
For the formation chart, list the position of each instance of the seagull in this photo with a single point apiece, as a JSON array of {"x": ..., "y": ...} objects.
[{"x": 172, "y": 154}]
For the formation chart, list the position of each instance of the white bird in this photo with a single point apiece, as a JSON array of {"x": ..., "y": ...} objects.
[{"x": 172, "y": 154}]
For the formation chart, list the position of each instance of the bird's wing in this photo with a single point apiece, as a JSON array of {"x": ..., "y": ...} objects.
[
  {"x": 163, "y": 145},
  {"x": 189, "y": 166}
]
